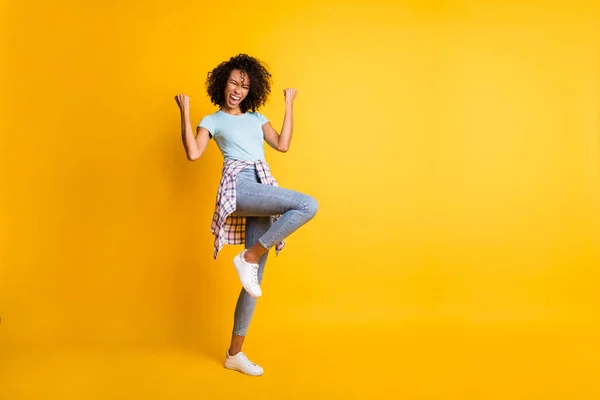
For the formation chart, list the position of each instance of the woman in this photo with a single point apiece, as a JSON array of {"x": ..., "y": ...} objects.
[{"x": 251, "y": 208}]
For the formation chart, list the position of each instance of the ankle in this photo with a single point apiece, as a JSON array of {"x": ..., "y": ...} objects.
[
  {"x": 250, "y": 258},
  {"x": 233, "y": 352}
]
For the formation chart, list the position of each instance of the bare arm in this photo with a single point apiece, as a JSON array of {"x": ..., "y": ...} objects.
[
  {"x": 194, "y": 146},
  {"x": 281, "y": 142}
]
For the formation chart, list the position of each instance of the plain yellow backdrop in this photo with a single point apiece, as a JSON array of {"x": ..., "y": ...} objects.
[{"x": 454, "y": 149}]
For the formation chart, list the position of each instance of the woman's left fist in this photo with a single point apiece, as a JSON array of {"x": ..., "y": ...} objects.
[{"x": 290, "y": 95}]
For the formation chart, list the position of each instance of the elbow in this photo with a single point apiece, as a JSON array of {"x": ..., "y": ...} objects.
[
  {"x": 194, "y": 154},
  {"x": 283, "y": 149},
  {"x": 193, "y": 157}
]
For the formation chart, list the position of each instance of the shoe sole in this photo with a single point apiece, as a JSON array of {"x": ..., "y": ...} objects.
[
  {"x": 237, "y": 269},
  {"x": 234, "y": 368}
]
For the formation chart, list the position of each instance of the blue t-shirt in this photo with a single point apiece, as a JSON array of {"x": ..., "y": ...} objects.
[{"x": 239, "y": 137}]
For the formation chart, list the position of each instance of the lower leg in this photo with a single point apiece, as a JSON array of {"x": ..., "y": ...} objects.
[
  {"x": 254, "y": 253},
  {"x": 236, "y": 344},
  {"x": 255, "y": 228}
]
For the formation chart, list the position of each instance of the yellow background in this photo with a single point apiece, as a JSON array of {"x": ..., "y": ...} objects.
[{"x": 454, "y": 148}]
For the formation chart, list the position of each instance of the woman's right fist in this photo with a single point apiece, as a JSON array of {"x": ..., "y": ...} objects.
[{"x": 183, "y": 101}]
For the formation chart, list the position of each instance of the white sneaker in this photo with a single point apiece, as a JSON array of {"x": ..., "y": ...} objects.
[
  {"x": 240, "y": 362},
  {"x": 248, "y": 274}
]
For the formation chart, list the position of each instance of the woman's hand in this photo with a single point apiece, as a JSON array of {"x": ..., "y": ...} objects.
[
  {"x": 290, "y": 95},
  {"x": 183, "y": 102}
]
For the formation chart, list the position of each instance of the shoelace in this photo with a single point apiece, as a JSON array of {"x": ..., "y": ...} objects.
[
  {"x": 247, "y": 361},
  {"x": 254, "y": 273}
]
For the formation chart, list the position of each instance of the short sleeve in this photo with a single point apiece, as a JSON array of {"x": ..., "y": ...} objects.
[
  {"x": 208, "y": 123},
  {"x": 261, "y": 118}
]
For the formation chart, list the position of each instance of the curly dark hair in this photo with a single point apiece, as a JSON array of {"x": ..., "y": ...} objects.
[{"x": 260, "y": 82}]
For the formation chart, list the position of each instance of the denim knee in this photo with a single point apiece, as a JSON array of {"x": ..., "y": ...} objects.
[{"x": 310, "y": 206}]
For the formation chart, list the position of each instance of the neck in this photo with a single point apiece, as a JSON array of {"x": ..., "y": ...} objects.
[{"x": 234, "y": 111}]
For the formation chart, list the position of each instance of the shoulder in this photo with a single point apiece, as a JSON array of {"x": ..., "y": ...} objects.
[
  {"x": 259, "y": 116},
  {"x": 256, "y": 114},
  {"x": 214, "y": 116},
  {"x": 211, "y": 123},
  {"x": 211, "y": 117}
]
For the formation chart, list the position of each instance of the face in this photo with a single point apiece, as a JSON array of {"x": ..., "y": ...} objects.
[{"x": 237, "y": 88}]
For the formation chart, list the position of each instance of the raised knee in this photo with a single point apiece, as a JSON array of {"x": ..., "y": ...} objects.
[{"x": 311, "y": 206}]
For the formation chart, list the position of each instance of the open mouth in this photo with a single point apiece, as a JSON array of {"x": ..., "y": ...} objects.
[{"x": 234, "y": 99}]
